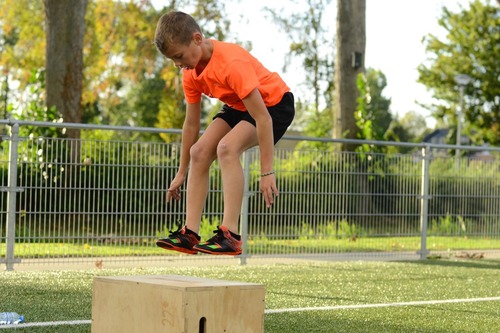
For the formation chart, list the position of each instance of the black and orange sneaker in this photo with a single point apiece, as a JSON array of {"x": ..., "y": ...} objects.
[
  {"x": 222, "y": 243},
  {"x": 183, "y": 240}
]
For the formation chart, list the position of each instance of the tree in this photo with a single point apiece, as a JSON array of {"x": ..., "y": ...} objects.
[
  {"x": 23, "y": 38},
  {"x": 372, "y": 112},
  {"x": 172, "y": 105},
  {"x": 122, "y": 58},
  {"x": 311, "y": 42},
  {"x": 351, "y": 41},
  {"x": 65, "y": 29},
  {"x": 471, "y": 47},
  {"x": 378, "y": 106},
  {"x": 6, "y": 42},
  {"x": 410, "y": 128},
  {"x": 22, "y": 48},
  {"x": 118, "y": 55},
  {"x": 415, "y": 125}
]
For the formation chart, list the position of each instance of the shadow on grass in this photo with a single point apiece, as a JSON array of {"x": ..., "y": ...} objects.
[
  {"x": 315, "y": 297},
  {"x": 344, "y": 322},
  {"x": 467, "y": 263}
]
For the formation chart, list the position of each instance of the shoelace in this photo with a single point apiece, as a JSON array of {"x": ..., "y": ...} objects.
[
  {"x": 219, "y": 235},
  {"x": 177, "y": 232}
]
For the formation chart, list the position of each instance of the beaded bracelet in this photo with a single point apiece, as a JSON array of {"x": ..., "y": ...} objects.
[{"x": 267, "y": 173}]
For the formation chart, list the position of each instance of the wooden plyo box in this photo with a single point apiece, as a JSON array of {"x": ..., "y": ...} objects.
[{"x": 176, "y": 304}]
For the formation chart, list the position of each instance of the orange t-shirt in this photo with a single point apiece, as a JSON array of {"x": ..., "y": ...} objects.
[{"x": 231, "y": 74}]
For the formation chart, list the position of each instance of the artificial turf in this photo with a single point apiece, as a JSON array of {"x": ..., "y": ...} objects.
[{"x": 43, "y": 296}]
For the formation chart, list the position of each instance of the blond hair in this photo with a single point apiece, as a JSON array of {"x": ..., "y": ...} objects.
[{"x": 174, "y": 28}]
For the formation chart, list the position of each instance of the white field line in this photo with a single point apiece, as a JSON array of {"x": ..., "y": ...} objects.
[
  {"x": 48, "y": 323},
  {"x": 384, "y": 305},
  {"x": 271, "y": 311}
]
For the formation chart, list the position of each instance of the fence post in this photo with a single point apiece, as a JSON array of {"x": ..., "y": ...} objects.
[
  {"x": 11, "y": 198},
  {"x": 424, "y": 202},
  {"x": 245, "y": 208}
]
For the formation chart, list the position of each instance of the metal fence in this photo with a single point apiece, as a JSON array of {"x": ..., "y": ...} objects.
[{"x": 102, "y": 201}]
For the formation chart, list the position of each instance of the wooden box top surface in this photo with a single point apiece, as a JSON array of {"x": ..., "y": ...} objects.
[{"x": 176, "y": 281}]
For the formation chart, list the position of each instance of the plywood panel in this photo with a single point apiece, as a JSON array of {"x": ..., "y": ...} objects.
[{"x": 170, "y": 303}]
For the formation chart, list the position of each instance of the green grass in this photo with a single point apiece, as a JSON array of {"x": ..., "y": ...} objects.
[
  {"x": 257, "y": 246},
  {"x": 67, "y": 295}
]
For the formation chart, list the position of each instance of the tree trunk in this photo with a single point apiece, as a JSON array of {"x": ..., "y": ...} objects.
[
  {"x": 351, "y": 41},
  {"x": 65, "y": 28}
]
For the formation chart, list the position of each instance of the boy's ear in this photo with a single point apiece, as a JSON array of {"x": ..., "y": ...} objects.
[{"x": 197, "y": 37}]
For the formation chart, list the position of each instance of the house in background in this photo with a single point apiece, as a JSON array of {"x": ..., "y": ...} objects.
[{"x": 439, "y": 137}]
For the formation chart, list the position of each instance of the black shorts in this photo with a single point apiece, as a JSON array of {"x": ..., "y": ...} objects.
[{"x": 282, "y": 115}]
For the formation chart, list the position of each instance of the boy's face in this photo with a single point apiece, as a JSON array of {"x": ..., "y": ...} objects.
[{"x": 186, "y": 56}]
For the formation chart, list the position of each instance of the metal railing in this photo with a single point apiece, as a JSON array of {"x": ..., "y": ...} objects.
[{"x": 94, "y": 200}]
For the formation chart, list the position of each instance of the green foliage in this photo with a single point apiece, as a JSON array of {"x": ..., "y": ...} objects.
[
  {"x": 314, "y": 123},
  {"x": 378, "y": 105},
  {"x": 448, "y": 226},
  {"x": 36, "y": 110},
  {"x": 125, "y": 77},
  {"x": 471, "y": 47},
  {"x": 330, "y": 192},
  {"x": 351, "y": 231},
  {"x": 116, "y": 178},
  {"x": 376, "y": 191},
  {"x": 151, "y": 92},
  {"x": 171, "y": 109},
  {"x": 363, "y": 118},
  {"x": 409, "y": 128},
  {"x": 23, "y": 49},
  {"x": 141, "y": 107},
  {"x": 210, "y": 15},
  {"x": 372, "y": 114},
  {"x": 311, "y": 42},
  {"x": 306, "y": 232},
  {"x": 40, "y": 149},
  {"x": 330, "y": 230},
  {"x": 207, "y": 227},
  {"x": 118, "y": 52}
]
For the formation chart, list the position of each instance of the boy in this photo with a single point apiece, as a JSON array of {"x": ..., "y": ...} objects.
[{"x": 258, "y": 109}]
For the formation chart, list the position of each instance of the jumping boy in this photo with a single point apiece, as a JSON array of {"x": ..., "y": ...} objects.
[{"x": 258, "y": 109}]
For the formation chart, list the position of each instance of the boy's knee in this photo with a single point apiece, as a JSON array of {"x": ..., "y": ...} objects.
[
  {"x": 198, "y": 153},
  {"x": 224, "y": 151}
]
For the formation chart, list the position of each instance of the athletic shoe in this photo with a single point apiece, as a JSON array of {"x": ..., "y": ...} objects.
[
  {"x": 222, "y": 243},
  {"x": 183, "y": 240}
]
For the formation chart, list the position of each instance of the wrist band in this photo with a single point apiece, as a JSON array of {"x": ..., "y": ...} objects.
[{"x": 267, "y": 173}]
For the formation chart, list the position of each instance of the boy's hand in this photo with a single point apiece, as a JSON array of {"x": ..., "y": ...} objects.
[
  {"x": 174, "y": 191},
  {"x": 268, "y": 189}
]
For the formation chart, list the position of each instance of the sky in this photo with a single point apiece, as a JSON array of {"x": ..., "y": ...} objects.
[{"x": 394, "y": 32}]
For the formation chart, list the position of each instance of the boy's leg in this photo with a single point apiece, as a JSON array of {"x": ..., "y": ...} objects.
[
  {"x": 203, "y": 153},
  {"x": 229, "y": 150},
  {"x": 242, "y": 137}
]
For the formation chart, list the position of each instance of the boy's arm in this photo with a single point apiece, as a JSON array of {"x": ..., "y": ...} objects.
[
  {"x": 258, "y": 110},
  {"x": 190, "y": 132}
]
